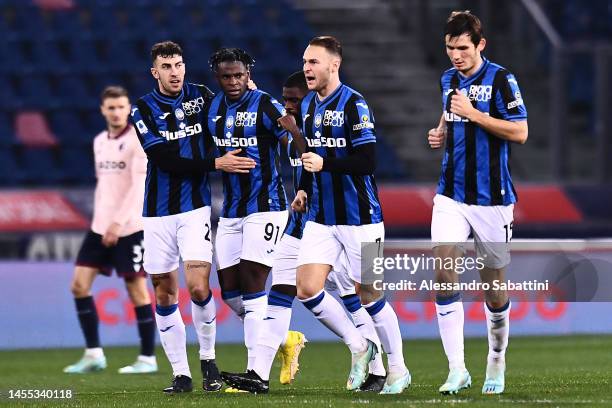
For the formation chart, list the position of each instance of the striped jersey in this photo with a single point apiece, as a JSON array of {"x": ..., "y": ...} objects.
[
  {"x": 475, "y": 168},
  {"x": 295, "y": 224},
  {"x": 178, "y": 123},
  {"x": 333, "y": 127},
  {"x": 249, "y": 124}
]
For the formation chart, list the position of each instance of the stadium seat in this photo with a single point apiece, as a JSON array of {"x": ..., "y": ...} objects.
[
  {"x": 33, "y": 130},
  {"x": 39, "y": 166},
  {"x": 77, "y": 165},
  {"x": 10, "y": 174},
  {"x": 67, "y": 126}
]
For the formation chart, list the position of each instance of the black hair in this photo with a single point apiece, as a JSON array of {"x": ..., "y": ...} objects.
[
  {"x": 165, "y": 49},
  {"x": 464, "y": 22},
  {"x": 230, "y": 55},
  {"x": 296, "y": 80}
]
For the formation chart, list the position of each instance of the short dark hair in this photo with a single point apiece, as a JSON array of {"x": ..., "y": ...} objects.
[
  {"x": 331, "y": 44},
  {"x": 113, "y": 91},
  {"x": 230, "y": 55},
  {"x": 296, "y": 80},
  {"x": 165, "y": 49},
  {"x": 464, "y": 22}
]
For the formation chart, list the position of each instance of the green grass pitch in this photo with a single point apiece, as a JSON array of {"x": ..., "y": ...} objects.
[{"x": 542, "y": 371}]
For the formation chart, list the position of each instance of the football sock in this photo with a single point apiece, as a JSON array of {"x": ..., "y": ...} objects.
[
  {"x": 449, "y": 311},
  {"x": 204, "y": 316},
  {"x": 498, "y": 328},
  {"x": 329, "y": 312},
  {"x": 146, "y": 329},
  {"x": 254, "y": 312},
  {"x": 274, "y": 328},
  {"x": 173, "y": 338},
  {"x": 233, "y": 299},
  {"x": 387, "y": 327},
  {"x": 88, "y": 318},
  {"x": 365, "y": 325}
]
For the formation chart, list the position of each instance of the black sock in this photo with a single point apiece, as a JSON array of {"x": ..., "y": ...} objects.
[
  {"x": 146, "y": 329},
  {"x": 88, "y": 317}
]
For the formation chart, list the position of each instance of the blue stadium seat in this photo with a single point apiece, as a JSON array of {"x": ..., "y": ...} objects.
[
  {"x": 36, "y": 92},
  {"x": 40, "y": 166},
  {"x": 10, "y": 174},
  {"x": 77, "y": 165},
  {"x": 67, "y": 126}
]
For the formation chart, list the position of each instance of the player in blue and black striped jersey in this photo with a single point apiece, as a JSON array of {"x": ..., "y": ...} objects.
[
  {"x": 254, "y": 211},
  {"x": 483, "y": 112},
  {"x": 344, "y": 210},
  {"x": 283, "y": 289},
  {"x": 170, "y": 123}
]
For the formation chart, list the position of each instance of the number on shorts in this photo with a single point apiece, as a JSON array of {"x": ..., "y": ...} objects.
[
  {"x": 138, "y": 251},
  {"x": 207, "y": 236},
  {"x": 269, "y": 232},
  {"x": 508, "y": 228}
]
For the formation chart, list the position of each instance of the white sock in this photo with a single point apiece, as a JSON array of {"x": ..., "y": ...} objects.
[
  {"x": 148, "y": 359},
  {"x": 387, "y": 327},
  {"x": 273, "y": 333},
  {"x": 95, "y": 352},
  {"x": 204, "y": 314},
  {"x": 329, "y": 312},
  {"x": 365, "y": 325},
  {"x": 173, "y": 338},
  {"x": 255, "y": 305},
  {"x": 450, "y": 322},
  {"x": 498, "y": 328},
  {"x": 234, "y": 301}
]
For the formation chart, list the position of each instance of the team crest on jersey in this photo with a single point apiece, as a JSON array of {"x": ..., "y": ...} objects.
[
  {"x": 317, "y": 120},
  {"x": 180, "y": 115},
  {"x": 229, "y": 122}
]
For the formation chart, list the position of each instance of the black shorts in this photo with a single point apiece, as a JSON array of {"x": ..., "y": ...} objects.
[{"x": 125, "y": 257}]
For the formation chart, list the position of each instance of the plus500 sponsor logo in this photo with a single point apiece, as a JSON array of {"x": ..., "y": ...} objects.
[
  {"x": 236, "y": 142},
  {"x": 179, "y": 134},
  {"x": 326, "y": 142}
]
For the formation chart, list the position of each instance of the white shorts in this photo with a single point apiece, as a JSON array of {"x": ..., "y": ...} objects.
[
  {"x": 339, "y": 280},
  {"x": 491, "y": 226},
  {"x": 326, "y": 244},
  {"x": 285, "y": 265},
  {"x": 185, "y": 236},
  {"x": 252, "y": 238}
]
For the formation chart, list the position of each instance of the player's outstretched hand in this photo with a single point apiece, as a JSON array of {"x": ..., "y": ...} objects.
[
  {"x": 288, "y": 123},
  {"x": 230, "y": 162},
  {"x": 435, "y": 137},
  {"x": 312, "y": 162},
  {"x": 299, "y": 202},
  {"x": 111, "y": 236}
]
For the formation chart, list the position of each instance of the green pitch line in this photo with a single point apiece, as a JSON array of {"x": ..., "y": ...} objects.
[{"x": 542, "y": 371}]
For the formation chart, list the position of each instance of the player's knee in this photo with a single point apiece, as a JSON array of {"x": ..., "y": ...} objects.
[
  {"x": 289, "y": 290},
  {"x": 79, "y": 288},
  {"x": 306, "y": 291},
  {"x": 199, "y": 291},
  {"x": 138, "y": 292},
  {"x": 368, "y": 294}
]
